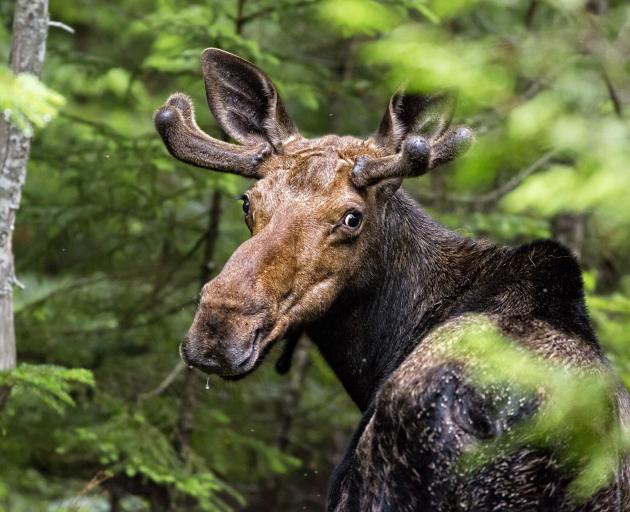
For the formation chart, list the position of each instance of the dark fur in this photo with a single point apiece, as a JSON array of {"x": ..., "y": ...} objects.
[{"x": 423, "y": 276}]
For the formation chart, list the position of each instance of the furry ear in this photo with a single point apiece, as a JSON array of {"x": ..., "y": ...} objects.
[
  {"x": 244, "y": 101},
  {"x": 417, "y": 114}
]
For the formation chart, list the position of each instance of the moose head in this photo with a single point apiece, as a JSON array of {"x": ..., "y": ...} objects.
[{"x": 315, "y": 209}]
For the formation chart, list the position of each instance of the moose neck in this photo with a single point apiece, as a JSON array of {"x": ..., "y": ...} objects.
[{"x": 419, "y": 271}]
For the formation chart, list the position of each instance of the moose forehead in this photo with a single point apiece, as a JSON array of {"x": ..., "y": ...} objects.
[{"x": 313, "y": 167}]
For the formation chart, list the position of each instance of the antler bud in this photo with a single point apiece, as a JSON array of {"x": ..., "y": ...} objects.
[
  {"x": 416, "y": 157},
  {"x": 412, "y": 160},
  {"x": 416, "y": 129}
]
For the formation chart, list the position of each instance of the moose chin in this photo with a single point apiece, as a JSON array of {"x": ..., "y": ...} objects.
[{"x": 340, "y": 252}]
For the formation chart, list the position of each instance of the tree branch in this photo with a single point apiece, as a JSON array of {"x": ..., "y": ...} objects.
[
  {"x": 508, "y": 186},
  {"x": 62, "y": 26},
  {"x": 531, "y": 12},
  {"x": 614, "y": 97},
  {"x": 184, "y": 426},
  {"x": 162, "y": 386}
]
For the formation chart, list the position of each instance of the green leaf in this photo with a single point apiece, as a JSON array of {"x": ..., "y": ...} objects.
[{"x": 26, "y": 101}]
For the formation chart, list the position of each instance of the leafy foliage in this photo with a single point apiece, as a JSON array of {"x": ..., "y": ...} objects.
[
  {"x": 47, "y": 383},
  {"x": 25, "y": 100},
  {"x": 575, "y": 419},
  {"x": 127, "y": 443}
]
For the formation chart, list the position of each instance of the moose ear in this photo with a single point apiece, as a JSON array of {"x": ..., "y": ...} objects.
[
  {"x": 244, "y": 101},
  {"x": 417, "y": 114}
]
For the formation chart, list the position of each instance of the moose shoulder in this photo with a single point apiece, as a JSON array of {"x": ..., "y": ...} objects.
[{"x": 340, "y": 252}]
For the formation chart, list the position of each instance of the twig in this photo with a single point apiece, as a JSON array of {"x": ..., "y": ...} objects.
[
  {"x": 99, "y": 127},
  {"x": 96, "y": 480},
  {"x": 63, "y": 290},
  {"x": 162, "y": 386},
  {"x": 509, "y": 185},
  {"x": 614, "y": 97},
  {"x": 531, "y": 12},
  {"x": 62, "y": 26}
]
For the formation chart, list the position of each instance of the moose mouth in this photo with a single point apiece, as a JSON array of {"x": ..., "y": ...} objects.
[
  {"x": 248, "y": 363},
  {"x": 252, "y": 363}
]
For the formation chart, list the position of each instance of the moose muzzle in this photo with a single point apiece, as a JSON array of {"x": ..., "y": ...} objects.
[
  {"x": 226, "y": 334},
  {"x": 235, "y": 318}
]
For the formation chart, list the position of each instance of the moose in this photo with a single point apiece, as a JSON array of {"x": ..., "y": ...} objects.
[{"x": 340, "y": 252}]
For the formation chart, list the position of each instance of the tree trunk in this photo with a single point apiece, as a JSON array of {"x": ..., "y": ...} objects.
[
  {"x": 192, "y": 382},
  {"x": 28, "y": 48},
  {"x": 571, "y": 230},
  {"x": 273, "y": 497}
]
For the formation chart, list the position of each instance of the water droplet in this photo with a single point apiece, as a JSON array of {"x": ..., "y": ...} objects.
[
  {"x": 190, "y": 366},
  {"x": 208, "y": 383}
]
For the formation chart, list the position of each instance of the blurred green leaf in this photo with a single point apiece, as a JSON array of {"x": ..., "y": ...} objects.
[{"x": 26, "y": 101}]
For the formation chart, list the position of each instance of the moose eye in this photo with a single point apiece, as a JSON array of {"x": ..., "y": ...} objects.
[
  {"x": 245, "y": 200},
  {"x": 352, "y": 220}
]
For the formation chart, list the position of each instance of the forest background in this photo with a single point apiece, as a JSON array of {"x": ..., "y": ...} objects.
[{"x": 114, "y": 237}]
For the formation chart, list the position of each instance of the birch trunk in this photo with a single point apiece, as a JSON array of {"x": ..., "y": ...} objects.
[{"x": 28, "y": 48}]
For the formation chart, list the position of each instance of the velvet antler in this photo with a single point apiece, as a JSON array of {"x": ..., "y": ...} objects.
[
  {"x": 246, "y": 105},
  {"x": 416, "y": 129},
  {"x": 176, "y": 124}
]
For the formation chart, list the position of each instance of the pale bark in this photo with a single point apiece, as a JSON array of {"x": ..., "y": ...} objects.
[{"x": 30, "y": 28}]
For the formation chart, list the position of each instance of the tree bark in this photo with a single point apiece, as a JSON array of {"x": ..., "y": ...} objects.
[
  {"x": 192, "y": 383},
  {"x": 571, "y": 230},
  {"x": 288, "y": 409},
  {"x": 28, "y": 49}
]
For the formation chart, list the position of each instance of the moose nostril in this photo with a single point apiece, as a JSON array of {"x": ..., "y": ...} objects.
[{"x": 207, "y": 356}]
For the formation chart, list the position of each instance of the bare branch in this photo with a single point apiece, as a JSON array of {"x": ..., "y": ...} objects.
[
  {"x": 62, "y": 26},
  {"x": 614, "y": 97},
  {"x": 162, "y": 386},
  {"x": 509, "y": 185},
  {"x": 97, "y": 479},
  {"x": 531, "y": 12}
]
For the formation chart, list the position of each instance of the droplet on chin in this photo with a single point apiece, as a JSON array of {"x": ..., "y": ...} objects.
[{"x": 208, "y": 383}]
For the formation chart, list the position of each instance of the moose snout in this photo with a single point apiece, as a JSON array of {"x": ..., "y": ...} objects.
[
  {"x": 229, "y": 361},
  {"x": 223, "y": 339}
]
